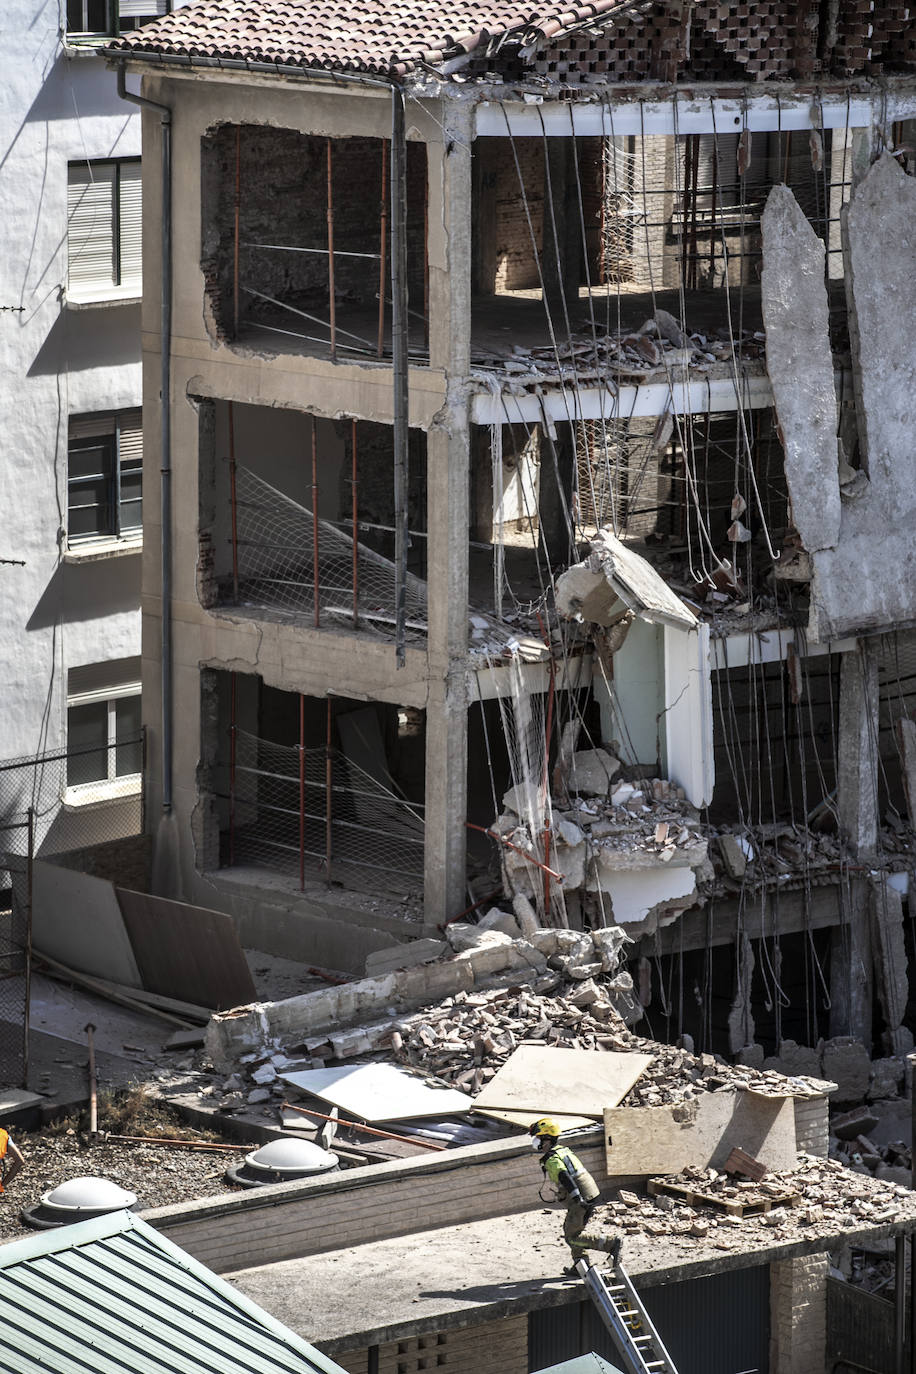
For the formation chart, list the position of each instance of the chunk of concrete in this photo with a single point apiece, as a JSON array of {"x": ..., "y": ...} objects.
[
  {"x": 886, "y": 1079},
  {"x": 858, "y": 1121},
  {"x": 609, "y": 943},
  {"x": 847, "y": 1063},
  {"x": 461, "y": 937},
  {"x": 526, "y": 915},
  {"x": 405, "y": 956},
  {"x": 733, "y": 856},
  {"x": 890, "y": 962},
  {"x": 503, "y": 921},
  {"x": 800, "y": 366},
  {"x": 592, "y": 771},
  {"x": 797, "y": 1061}
]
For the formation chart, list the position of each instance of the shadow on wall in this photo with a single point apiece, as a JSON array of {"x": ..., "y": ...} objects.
[
  {"x": 81, "y": 339},
  {"x": 73, "y": 87},
  {"x": 79, "y": 592}
]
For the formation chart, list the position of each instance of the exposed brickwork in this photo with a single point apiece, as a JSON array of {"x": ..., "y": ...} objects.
[
  {"x": 495, "y": 1347},
  {"x": 798, "y": 1315},
  {"x": 811, "y": 1126}
]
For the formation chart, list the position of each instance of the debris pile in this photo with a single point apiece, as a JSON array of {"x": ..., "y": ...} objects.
[
  {"x": 740, "y": 1216},
  {"x": 659, "y": 349},
  {"x": 466, "y": 1038},
  {"x": 851, "y": 1144}
]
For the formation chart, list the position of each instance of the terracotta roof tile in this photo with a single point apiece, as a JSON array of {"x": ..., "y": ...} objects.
[{"x": 386, "y": 37}]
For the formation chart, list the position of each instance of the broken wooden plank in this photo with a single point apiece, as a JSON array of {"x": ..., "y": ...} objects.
[
  {"x": 749, "y": 1206},
  {"x": 740, "y": 1162}
]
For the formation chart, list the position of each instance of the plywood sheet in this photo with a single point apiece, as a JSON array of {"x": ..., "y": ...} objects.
[
  {"x": 565, "y": 1123},
  {"x": 700, "y": 1133},
  {"x": 187, "y": 951},
  {"x": 379, "y": 1092},
  {"x": 573, "y": 1082}
]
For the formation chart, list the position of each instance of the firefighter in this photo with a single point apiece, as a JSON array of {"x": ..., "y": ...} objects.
[{"x": 574, "y": 1184}]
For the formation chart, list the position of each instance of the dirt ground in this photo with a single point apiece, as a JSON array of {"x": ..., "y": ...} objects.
[{"x": 159, "y": 1174}]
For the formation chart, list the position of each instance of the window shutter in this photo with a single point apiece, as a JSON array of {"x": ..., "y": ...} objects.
[
  {"x": 142, "y": 9},
  {"x": 131, "y": 225},
  {"x": 130, "y": 457},
  {"x": 90, "y": 227},
  {"x": 92, "y": 426}
]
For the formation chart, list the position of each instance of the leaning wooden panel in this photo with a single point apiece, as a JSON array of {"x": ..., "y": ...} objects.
[
  {"x": 548, "y": 1081},
  {"x": 187, "y": 951},
  {"x": 700, "y": 1133}
]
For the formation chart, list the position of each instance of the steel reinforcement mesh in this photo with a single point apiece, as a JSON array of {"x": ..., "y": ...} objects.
[
  {"x": 315, "y": 812},
  {"x": 291, "y": 562}
]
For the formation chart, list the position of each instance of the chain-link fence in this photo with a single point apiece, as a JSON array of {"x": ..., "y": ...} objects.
[
  {"x": 287, "y": 560},
  {"x": 51, "y": 805},
  {"x": 315, "y": 812}
]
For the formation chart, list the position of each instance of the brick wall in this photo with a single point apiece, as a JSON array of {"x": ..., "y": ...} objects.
[
  {"x": 283, "y": 199},
  {"x": 798, "y": 1315},
  {"x": 811, "y": 1126},
  {"x": 494, "y": 1347},
  {"x": 125, "y": 862},
  {"x": 361, "y": 1205}
]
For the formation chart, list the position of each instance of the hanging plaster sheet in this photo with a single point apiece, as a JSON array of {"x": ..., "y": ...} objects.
[
  {"x": 700, "y": 1133},
  {"x": 379, "y": 1092},
  {"x": 580, "y": 1083}
]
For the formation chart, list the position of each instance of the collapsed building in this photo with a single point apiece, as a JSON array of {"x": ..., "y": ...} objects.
[{"x": 530, "y": 394}]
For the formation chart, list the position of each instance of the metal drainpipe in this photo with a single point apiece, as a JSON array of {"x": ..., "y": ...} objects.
[{"x": 165, "y": 469}]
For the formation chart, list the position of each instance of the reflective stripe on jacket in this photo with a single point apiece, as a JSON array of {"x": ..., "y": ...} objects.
[{"x": 560, "y": 1160}]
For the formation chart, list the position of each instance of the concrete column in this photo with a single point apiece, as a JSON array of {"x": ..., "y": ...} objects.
[
  {"x": 850, "y": 965},
  {"x": 798, "y": 1315},
  {"x": 448, "y": 514},
  {"x": 857, "y": 752},
  {"x": 890, "y": 964},
  {"x": 562, "y": 239}
]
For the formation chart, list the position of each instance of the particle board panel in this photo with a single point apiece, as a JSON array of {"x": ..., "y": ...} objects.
[
  {"x": 524, "y": 1119},
  {"x": 700, "y": 1133},
  {"x": 187, "y": 951},
  {"x": 553, "y": 1081}
]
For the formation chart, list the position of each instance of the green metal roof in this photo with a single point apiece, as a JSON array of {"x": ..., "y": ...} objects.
[
  {"x": 111, "y": 1295},
  {"x": 583, "y": 1364}
]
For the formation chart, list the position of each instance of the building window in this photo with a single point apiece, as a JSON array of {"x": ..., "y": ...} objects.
[
  {"x": 104, "y": 739},
  {"x": 104, "y": 228},
  {"x": 105, "y": 476},
  {"x": 107, "y": 18}
]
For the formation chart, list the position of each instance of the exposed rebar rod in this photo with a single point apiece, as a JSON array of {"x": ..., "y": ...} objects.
[
  {"x": 296, "y": 248},
  {"x": 383, "y": 237},
  {"x": 235, "y": 246},
  {"x": 89, "y": 1028},
  {"x": 233, "y": 505},
  {"x": 364, "y": 1130},
  {"x": 332, "y": 304},
  {"x": 399, "y": 341},
  {"x": 301, "y": 792},
  {"x": 315, "y": 570}
]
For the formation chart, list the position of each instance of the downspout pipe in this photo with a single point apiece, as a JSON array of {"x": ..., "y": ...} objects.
[{"x": 165, "y": 466}]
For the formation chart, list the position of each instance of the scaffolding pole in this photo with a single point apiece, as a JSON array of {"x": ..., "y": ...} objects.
[
  {"x": 301, "y": 792},
  {"x": 235, "y": 247},
  {"x": 399, "y": 345},
  {"x": 233, "y": 745},
  {"x": 328, "y": 793},
  {"x": 354, "y": 490},
  {"x": 383, "y": 236}
]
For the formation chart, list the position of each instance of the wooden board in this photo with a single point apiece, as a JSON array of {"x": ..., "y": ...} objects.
[
  {"x": 524, "y": 1119},
  {"x": 700, "y": 1133},
  {"x": 546, "y": 1082},
  {"x": 187, "y": 951},
  {"x": 751, "y": 1205}
]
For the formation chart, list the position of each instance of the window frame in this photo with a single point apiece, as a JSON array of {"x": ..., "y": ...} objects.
[
  {"x": 114, "y": 784},
  {"x": 112, "y": 476},
  {"x": 116, "y": 22},
  {"x": 116, "y": 289}
]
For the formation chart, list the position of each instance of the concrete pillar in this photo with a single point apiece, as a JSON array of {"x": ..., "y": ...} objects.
[
  {"x": 850, "y": 965},
  {"x": 448, "y": 513},
  {"x": 798, "y": 1315},
  {"x": 562, "y": 237},
  {"x": 890, "y": 963},
  {"x": 857, "y": 752}
]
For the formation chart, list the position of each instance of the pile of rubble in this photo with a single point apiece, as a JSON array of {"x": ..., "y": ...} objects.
[
  {"x": 466, "y": 1038},
  {"x": 655, "y": 351},
  {"x": 818, "y": 1193},
  {"x": 852, "y": 1146}
]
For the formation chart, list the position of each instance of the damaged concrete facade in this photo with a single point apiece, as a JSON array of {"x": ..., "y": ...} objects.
[{"x": 547, "y": 531}]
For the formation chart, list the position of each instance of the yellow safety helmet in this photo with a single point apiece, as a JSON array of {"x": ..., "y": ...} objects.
[{"x": 545, "y": 1126}]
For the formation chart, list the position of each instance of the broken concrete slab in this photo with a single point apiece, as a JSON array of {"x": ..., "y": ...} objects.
[
  {"x": 613, "y": 579},
  {"x": 637, "y": 894},
  {"x": 890, "y": 962},
  {"x": 847, "y": 1125},
  {"x": 591, "y": 772},
  {"x": 404, "y": 956},
  {"x": 886, "y": 1079},
  {"x": 503, "y": 921},
  {"x": 379, "y": 1092},
  {"x": 800, "y": 365},
  {"x": 847, "y": 1062},
  {"x": 796, "y": 1060},
  {"x": 733, "y": 856},
  {"x": 700, "y": 1134}
]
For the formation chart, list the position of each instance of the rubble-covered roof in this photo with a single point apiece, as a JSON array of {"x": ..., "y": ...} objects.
[{"x": 389, "y": 39}]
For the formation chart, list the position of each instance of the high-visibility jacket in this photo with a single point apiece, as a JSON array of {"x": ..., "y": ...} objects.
[
  {"x": 4, "y": 1143},
  {"x": 567, "y": 1172}
]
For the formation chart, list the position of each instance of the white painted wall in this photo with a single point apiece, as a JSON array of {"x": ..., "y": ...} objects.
[{"x": 55, "y": 107}]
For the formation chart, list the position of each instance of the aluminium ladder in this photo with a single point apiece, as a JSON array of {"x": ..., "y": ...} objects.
[{"x": 627, "y": 1320}]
